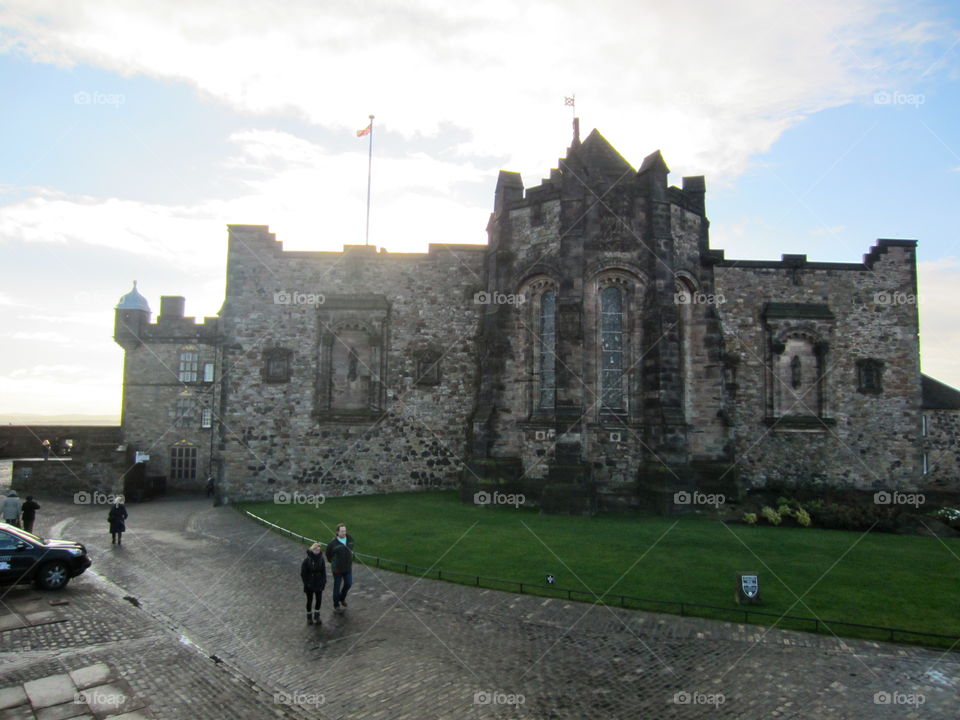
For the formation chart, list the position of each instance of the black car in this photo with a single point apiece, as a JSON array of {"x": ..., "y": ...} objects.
[{"x": 25, "y": 558}]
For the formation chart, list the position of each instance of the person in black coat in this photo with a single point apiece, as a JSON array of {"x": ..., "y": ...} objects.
[
  {"x": 117, "y": 519},
  {"x": 340, "y": 555},
  {"x": 29, "y": 513},
  {"x": 313, "y": 572}
]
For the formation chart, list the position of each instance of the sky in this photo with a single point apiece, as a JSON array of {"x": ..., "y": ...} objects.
[{"x": 134, "y": 132}]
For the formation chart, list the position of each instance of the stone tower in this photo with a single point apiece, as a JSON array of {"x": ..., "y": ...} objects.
[{"x": 603, "y": 360}]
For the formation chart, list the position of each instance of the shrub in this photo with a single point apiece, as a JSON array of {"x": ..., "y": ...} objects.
[
  {"x": 750, "y": 518},
  {"x": 785, "y": 511},
  {"x": 770, "y": 515},
  {"x": 803, "y": 518}
]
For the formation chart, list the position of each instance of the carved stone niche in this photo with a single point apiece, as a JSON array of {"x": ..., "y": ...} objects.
[
  {"x": 797, "y": 392},
  {"x": 351, "y": 357},
  {"x": 426, "y": 360},
  {"x": 276, "y": 365}
]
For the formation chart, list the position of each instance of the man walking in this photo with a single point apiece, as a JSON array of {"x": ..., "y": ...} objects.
[
  {"x": 29, "y": 513},
  {"x": 340, "y": 555}
]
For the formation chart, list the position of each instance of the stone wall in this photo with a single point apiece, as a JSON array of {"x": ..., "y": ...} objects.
[
  {"x": 24, "y": 441},
  {"x": 161, "y": 412},
  {"x": 942, "y": 447},
  {"x": 866, "y": 440},
  {"x": 396, "y": 329}
]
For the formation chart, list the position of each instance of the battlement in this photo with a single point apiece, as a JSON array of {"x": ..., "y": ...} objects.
[
  {"x": 254, "y": 239},
  {"x": 800, "y": 262}
]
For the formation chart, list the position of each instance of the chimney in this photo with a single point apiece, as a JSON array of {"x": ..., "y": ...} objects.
[{"x": 171, "y": 308}]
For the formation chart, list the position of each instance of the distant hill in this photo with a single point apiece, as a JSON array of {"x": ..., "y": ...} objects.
[{"x": 35, "y": 419}]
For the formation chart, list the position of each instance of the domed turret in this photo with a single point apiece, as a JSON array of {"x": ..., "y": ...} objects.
[
  {"x": 133, "y": 300},
  {"x": 130, "y": 317}
]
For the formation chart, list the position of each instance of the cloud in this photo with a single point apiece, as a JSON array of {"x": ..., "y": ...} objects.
[
  {"x": 295, "y": 186},
  {"x": 40, "y": 336},
  {"x": 938, "y": 285},
  {"x": 710, "y": 83}
]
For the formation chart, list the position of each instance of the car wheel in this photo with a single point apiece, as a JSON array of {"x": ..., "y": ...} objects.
[{"x": 53, "y": 576}]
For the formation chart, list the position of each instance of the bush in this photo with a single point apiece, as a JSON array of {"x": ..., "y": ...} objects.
[
  {"x": 784, "y": 510},
  {"x": 803, "y": 518},
  {"x": 750, "y": 518},
  {"x": 770, "y": 515}
]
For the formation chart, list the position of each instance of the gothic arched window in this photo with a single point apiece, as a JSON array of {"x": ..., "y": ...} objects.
[
  {"x": 612, "y": 391},
  {"x": 547, "y": 360}
]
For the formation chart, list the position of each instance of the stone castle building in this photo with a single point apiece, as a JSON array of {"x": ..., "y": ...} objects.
[{"x": 596, "y": 353}]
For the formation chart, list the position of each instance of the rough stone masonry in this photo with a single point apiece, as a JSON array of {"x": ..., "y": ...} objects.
[{"x": 595, "y": 354}]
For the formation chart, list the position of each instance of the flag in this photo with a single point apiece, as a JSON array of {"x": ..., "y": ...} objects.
[
  {"x": 570, "y": 101},
  {"x": 366, "y": 130}
]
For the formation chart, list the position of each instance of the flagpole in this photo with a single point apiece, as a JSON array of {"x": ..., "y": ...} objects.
[{"x": 369, "y": 175}]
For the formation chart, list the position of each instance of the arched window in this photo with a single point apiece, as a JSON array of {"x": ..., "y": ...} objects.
[
  {"x": 547, "y": 350},
  {"x": 684, "y": 299},
  {"x": 612, "y": 391}
]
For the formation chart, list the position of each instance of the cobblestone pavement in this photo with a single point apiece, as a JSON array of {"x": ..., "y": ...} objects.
[{"x": 409, "y": 648}]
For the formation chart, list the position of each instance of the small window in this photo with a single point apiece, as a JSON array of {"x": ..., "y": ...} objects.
[
  {"x": 183, "y": 415},
  {"x": 189, "y": 364},
  {"x": 926, "y": 464},
  {"x": 206, "y": 418},
  {"x": 870, "y": 377},
  {"x": 923, "y": 424},
  {"x": 536, "y": 214},
  {"x": 276, "y": 365},
  {"x": 208, "y": 372}
]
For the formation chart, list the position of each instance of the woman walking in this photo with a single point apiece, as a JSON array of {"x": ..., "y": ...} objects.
[
  {"x": 117, "y": 519},
  {"x": 313, "y": 572}
]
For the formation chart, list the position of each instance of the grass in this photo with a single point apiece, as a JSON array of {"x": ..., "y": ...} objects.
[{"x": 895, "y": 581}]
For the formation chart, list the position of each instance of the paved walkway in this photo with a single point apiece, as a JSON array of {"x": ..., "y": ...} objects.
[{"x": 422, "y": 649}]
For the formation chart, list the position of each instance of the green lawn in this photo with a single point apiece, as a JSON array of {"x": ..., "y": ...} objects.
[{"x": 878, "y": 579}]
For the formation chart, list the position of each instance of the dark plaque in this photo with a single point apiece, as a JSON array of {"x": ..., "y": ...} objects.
[{"x": 748, "y": 589}]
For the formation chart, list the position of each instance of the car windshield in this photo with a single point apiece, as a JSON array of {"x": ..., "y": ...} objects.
[{"x": 30, "y": 536}]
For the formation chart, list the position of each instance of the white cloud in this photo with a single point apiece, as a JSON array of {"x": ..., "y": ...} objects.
[
  {"x": 711, "y": 83},
  {"x": 40, "y": 336},
  {"x": 938, "y": 286},
  {"x": 295, "y": 186}
]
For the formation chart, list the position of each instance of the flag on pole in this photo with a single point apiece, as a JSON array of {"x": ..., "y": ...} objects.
[
  {"x": 570, "y": 101},
  {"x": 366, "y": 130}
]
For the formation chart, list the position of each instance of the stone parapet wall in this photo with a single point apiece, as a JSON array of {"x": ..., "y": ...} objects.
[
  {"x": 401, "y": 423},
  {"x": 861, "y": 440}
]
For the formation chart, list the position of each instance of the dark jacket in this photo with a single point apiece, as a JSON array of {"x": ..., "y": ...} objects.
[
  {"x": 30, "y": 508},
  {"x": 313, "y": 572},
  {"x": 116, "y": 517},
  {"x": 340, "y": 555}
]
